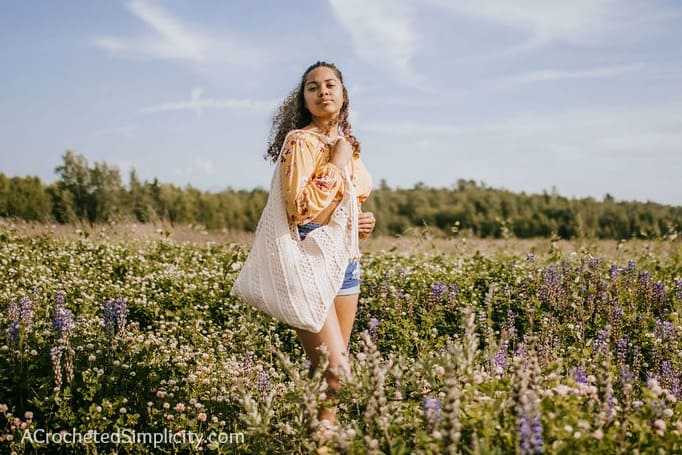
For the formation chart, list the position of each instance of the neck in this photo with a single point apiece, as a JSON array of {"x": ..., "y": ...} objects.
[{"x": 326, "y": 125}]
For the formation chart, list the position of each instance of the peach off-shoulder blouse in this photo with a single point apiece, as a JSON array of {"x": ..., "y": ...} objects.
[{"x": 310, "y": 183}]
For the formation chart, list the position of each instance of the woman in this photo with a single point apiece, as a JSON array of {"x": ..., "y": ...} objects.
[{"x": 312, "y": 131}]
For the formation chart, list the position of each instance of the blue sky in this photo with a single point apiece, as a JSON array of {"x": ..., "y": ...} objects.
[{"x": 584, "y": 96}]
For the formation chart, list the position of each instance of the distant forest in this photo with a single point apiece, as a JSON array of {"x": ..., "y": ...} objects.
[{"x": 97, "y": 194}]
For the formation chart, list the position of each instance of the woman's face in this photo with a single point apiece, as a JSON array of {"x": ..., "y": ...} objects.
[{"x": 323, "y": 93}]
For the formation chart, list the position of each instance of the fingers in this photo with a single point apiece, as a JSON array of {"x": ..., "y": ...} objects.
[{"x": 366, "y": 222}]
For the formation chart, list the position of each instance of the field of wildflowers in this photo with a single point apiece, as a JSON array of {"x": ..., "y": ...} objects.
[{"x": 451, "y": 353}]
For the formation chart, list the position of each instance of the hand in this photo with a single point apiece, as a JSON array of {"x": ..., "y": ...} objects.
[
  {"x": 366, "y": 223},
  {"x": 341, "y": 153}
]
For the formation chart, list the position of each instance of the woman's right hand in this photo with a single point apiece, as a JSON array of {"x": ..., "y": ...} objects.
[{"x": 341, "y": 153}]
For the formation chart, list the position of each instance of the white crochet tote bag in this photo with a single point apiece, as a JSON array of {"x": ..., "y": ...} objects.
[{"x": 296, "y": 281}]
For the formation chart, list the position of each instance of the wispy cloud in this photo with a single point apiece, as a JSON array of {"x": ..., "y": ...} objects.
[
  {"x": 198, "y": 104},
  {"x": 553, "y": 75},
  {"x": 542, "y": 23},
  {"x": 381, "y": 32},
  {"x": 588, "y": 131},
  {"x": 173, "y": 39}
]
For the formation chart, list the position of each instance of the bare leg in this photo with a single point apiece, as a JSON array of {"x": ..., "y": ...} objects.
[
  {"x": 346, "y": 307},
  {"x": 332, "y": 338}
]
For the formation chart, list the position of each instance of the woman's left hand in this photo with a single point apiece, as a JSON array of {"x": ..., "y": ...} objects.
[{"x": 366, "y": 224}]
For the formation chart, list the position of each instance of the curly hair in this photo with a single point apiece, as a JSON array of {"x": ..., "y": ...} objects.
[{"x": 292, "y": 114}]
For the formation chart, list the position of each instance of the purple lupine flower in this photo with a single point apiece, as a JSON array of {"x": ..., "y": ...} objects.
[
  {"x": 594, "y": 262},
  {"x": 613, "y": 271},
  {"x": 611, "y": 401},
  {"x": 247, "y": 362},
  {"x": 643, "y": 282},
  {"x": 666, "y": 371},
  {"x": 56, "y": 357},
  {"x": 622, "y": 349},
  {"x": 510, "y": 325},
  {"x": 115, "y": 314},
  {"x": 530, "y": 427},
  {"x": 632, "y": 266},
  {"x": 659, "y": 292},
  {"x": 636, "y": 358},
  {"x": 19, "y": 317},
  {"x": 500, "y": 360},
  {"x": 26, "y": 313},
  {"x": 62, "y": 319},
  {"x": 263, "y": 381},
  {"x": 664, "y": 330},
  {"x": 531, "y": 434},
  {"x": 437, "y": 291},
  {"x": 550, "y": 289},
  {"x": 431, "y": 408},
  {"x": 670, "y": 379},
  {"x": 601, "y": 344},
  {"x": 678, "y": 288},
  {"x": 580, "y": 376},
  {"x": 453, "y": 291},
  {"x": 617, "y": 314},
  {"x": 675, "y": 388},
  {"x": 14, "y": 319},
  {"x": 626, "y": 376}
]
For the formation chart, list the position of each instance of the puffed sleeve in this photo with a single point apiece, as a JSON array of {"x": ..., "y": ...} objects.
[
  {"x": 362, "y": 180},
  {"x": 308, "y": 187}
]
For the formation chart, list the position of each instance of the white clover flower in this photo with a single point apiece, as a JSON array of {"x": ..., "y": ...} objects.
[
  {"x": 659, "y": 426},
  {"x": 562, "y": 389}
]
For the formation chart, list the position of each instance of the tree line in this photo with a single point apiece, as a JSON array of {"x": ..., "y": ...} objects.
[{"x": 96, "y": 193}]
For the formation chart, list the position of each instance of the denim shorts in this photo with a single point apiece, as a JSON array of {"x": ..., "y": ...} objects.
[{"x": 351, "y": 281}]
